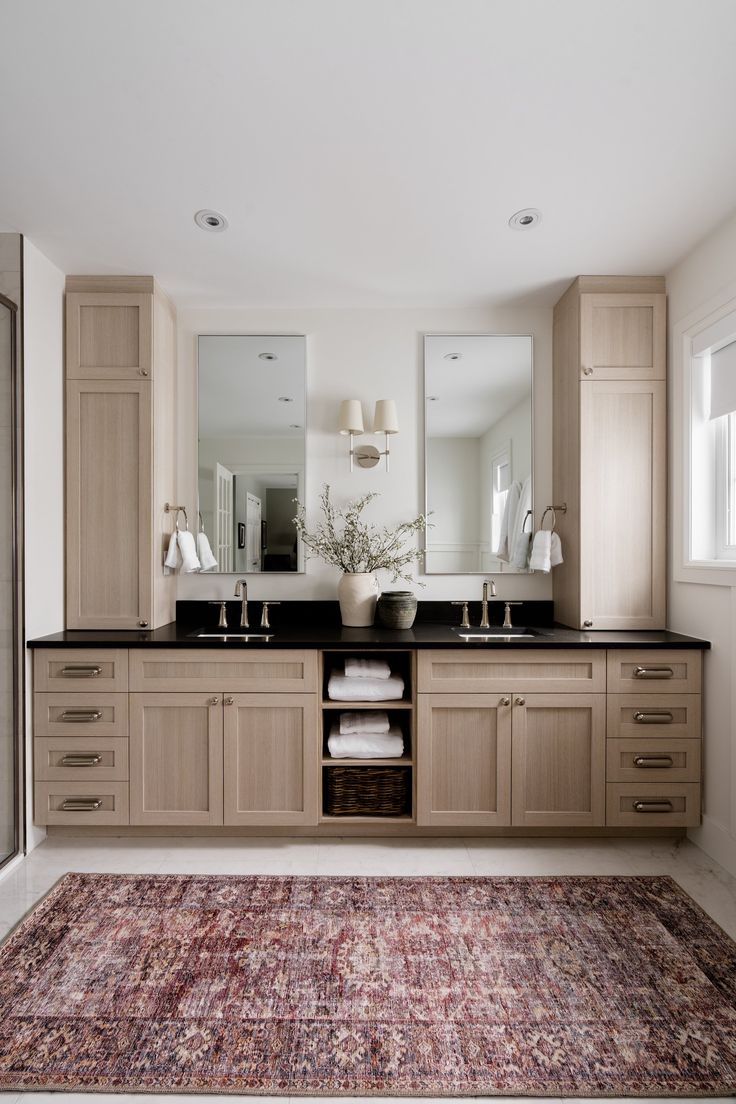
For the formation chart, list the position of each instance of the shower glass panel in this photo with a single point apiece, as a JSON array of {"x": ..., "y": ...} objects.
[{"x": 9, "y": 584}]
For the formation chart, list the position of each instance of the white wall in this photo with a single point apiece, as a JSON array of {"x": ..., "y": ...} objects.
[
  {"x": 453, "y": 471},
  {"x": 43, "y": 364},
  {"x": 707, "y": 610},
  {"x": 364, "y": 354}
]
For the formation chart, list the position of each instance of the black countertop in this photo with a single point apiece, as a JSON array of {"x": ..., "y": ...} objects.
[{"x": 317, "y": 625}]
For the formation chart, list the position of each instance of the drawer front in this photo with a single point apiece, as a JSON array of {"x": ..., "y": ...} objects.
[
  {"x": 94, "y": 715},
  {"x": 654, "y": 671},
  {"x": 87, "y": 803},
  {"x": 83, "y": 669},
  {"x": 79, "y": 759},
  {"x": 240, "y": 669},
  {"x": 653, "y": 806},
  {"x": 647, "y": 716},
  {"x": 651, "y": 761},
  {"x": 551, "y": 671}
]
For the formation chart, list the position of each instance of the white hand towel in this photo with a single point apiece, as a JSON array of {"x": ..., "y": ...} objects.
[
  {"x": 204, "y": 552},
  {"x": 555, "y": 551},
  {"x": 172, "y": 555},
  {"x": 188, "y": 549},
  {"x": 508, "y": 522},
  {"x": 374, "y": 721},
  {"x": 540, "y": 557},
  {"x": 366, "y": 745},
  {"x": 367, "y": 668},
  {"x": 342, "y": 688}
]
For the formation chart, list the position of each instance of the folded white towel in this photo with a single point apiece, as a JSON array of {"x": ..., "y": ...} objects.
[
  {"x": 555, "y": 551},
  {"x": 541, "y": 548},
  {"x": 366, "y": 745},
  {"x": 172, "y": 555},
  {"x": 374, "y": 721},
  {"x": 189, "y": 559},
  {"x": 342, "y": 688},
  {"x": 367, "y": 668},
  {"x": 204, "y": 552}
]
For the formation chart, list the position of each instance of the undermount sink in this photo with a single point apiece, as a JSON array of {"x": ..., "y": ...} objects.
[
  {"x": 232, "y": 634},
  {"x": 494, "y": 633}
]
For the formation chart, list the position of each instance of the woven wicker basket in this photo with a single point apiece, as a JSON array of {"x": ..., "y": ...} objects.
[{"x": 367, "y": 791}]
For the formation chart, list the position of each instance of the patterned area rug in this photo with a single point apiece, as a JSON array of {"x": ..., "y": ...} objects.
[{"x": 564, "y": 986}]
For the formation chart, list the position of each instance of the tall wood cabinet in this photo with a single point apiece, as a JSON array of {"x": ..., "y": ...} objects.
[
  {"x": 120, "y": 349},
  {"x": 610, "y": 461}
]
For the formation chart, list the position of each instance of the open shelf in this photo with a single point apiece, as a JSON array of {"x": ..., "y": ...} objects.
[
  {"x": 354, "y": 706},
  {"x": 402, "y": 761}
]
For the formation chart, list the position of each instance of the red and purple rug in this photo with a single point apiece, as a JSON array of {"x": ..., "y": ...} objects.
[{"x": 566, "y": 986}]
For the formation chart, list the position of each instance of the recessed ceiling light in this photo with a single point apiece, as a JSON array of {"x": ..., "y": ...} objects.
[
  {"x": 453, "y": 356},
  {"x": 294, "y": 426},
  {"x": 285, "y": 398},
  {"x": 433, "y": 398},
  {"x": 211, "y": 220},
  {"x": 267, "y": 356},
  {"x": 525, "y": 219}
]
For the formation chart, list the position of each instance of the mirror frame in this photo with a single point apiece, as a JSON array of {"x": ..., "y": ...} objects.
[
  {"x": 502, "y": 569},
  {"x": 278, "y": 468}
]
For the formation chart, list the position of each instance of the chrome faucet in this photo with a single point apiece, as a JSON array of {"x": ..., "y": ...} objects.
[
  {"x": 507, "y": 614},
  {"x": 241, "y": 591},
  {"x": 222, "y": 622},
  {"x": 484, "y": 622}
]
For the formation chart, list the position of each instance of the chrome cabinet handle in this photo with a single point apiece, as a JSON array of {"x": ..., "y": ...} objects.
[
  {"x": 587, "y": 371},
  {"x": 654, "y": 716},
  {"x": 81, "y": 670},
  {"x": 142, "y": 371},
  {"x": 228, "y": 701},
  {"x": 505, "y": 701},
  {"x": 214, "y": 701},
  {"x": 90, "y": 760},
  {"x": 653, "y": 761},
  {"x": 81, "y": 804},
  {"x": 653, "y": 672},
  {"x": 519, "y": 701},
  {"x": 587, "y": 624},
  {"x": 653, "y": 806},
  {"x": 77, "y": 716}
]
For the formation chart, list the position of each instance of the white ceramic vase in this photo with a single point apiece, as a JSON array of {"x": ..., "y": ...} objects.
[{"x": 358, "y": 595}]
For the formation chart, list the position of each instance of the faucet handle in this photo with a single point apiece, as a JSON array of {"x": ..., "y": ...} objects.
[
  {"x": 507, "y": 613},
  {"x": 265, "y": 623},
  {"x": 465, "y": 622},
  {"x": 222, "y": 623}
]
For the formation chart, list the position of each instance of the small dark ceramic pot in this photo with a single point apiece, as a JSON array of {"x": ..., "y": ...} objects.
[{"x": 397, "y": 609}]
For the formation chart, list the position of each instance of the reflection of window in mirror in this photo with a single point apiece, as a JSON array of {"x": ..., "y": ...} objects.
[{"x": 500, "y": 483}]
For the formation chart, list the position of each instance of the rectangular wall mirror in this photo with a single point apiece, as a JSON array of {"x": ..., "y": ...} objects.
[
  {"x": 478, "y": 447},
  {"x": 251, "y": 449}
]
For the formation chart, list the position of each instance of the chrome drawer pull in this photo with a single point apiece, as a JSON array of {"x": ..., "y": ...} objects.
[
  {"x": 653, "y": 672},
  {"x": 81, "y": 670},
  {"x": 654, "y": 716},
  {"x": 653, "y": 761},
  {"x": 81, "y": 804},
  {"x": 653, "y": 806},
  {"x": 77, "y": 716},
  {"x": 81, "y": 760}
]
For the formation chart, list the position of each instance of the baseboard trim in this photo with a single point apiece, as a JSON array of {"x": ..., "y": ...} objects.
[
  {"x": 716, "y": 841},
  {"x": 368, "y": 831}
]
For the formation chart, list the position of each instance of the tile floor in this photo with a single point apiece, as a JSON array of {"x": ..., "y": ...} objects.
[{"x": 711, "y": 886}]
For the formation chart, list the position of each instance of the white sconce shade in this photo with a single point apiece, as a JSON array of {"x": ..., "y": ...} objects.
[
  {"x": 385, "y": 419},
  {"x": 350, "y": 419}
]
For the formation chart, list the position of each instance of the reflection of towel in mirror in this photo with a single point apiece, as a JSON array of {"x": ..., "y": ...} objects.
[
  {"x": 508, "y": 522},
  {"x": 205, "y": 552},
  {"x": 520, "y": 540}
]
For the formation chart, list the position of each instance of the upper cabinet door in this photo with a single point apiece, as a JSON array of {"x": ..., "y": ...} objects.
[
  {"x": 108, "y": 336},
  {"x": 622, "y": 337},
  {"x": 108, "y": 504}
]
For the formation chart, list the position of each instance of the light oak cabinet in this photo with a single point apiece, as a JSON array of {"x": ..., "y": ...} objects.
[
  {"x": 119, "y": 453},
  {"x": 609, "y": 444}
]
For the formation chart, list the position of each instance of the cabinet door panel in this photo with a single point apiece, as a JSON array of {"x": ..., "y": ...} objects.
[
  {"x": 109, "y": 521},
  {"x": 108, "y": 336},
  {"x": 175, "y": 759},
  {"x": 622, "y": 337},
  {"x": 558, "y": 760},
  {"x": 623, "y": 475},
  {"x": 463, "y": 759},
  {"x": 271, "y": 759}
]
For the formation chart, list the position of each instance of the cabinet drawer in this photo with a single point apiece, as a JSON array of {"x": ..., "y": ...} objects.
[
  {"x": 80, "y": 759},
  {"x": 677, "y": 672},
  {"x": 81, "y": 715},
  {"x": 82, "y": 669},
  {"x": 646, "y": 716},
  {"x": 651, "y": 761},
  {"x": 81, "y": 803},
  {"x": 242, "y": 669},
  {"x": 504, "y": 671},
  {"x": 654, "y": 805}
]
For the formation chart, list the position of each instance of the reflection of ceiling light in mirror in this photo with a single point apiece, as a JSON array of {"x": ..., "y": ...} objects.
[
  {"x": 453, "y": 356},
  {"x": 267, "y": 356},
  {"x": 212, "y": 221},
  {"x": 294, "y": 426},
  {"x": 433, "y": 398},
  {"x": 525, "y": 219},
  {"x": 285, "y": 398}
]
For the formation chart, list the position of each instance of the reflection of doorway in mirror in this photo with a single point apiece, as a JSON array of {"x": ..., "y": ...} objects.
[
  {"x": 500, "y": 483},
  {"x": 224, "y": 517}
]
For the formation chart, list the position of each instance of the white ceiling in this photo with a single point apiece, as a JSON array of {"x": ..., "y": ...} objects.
[
  {"x": 240, "y": 395},
  {"x": 470, "y": 395},
  {"x": 366, "y": 152}
]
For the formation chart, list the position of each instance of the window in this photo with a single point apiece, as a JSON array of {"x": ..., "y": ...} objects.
[{"x": 500, "y": 483}]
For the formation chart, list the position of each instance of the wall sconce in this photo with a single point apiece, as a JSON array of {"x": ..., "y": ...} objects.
[{"x": 350, "y": 422}]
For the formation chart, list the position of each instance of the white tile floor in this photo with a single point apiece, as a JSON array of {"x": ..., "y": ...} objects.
[{"x": 700, "y": 876}]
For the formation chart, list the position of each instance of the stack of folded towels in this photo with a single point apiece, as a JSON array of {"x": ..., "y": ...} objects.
[
  {"x": 367, "y": 735},
  {"x": 365, "y": 680}
]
